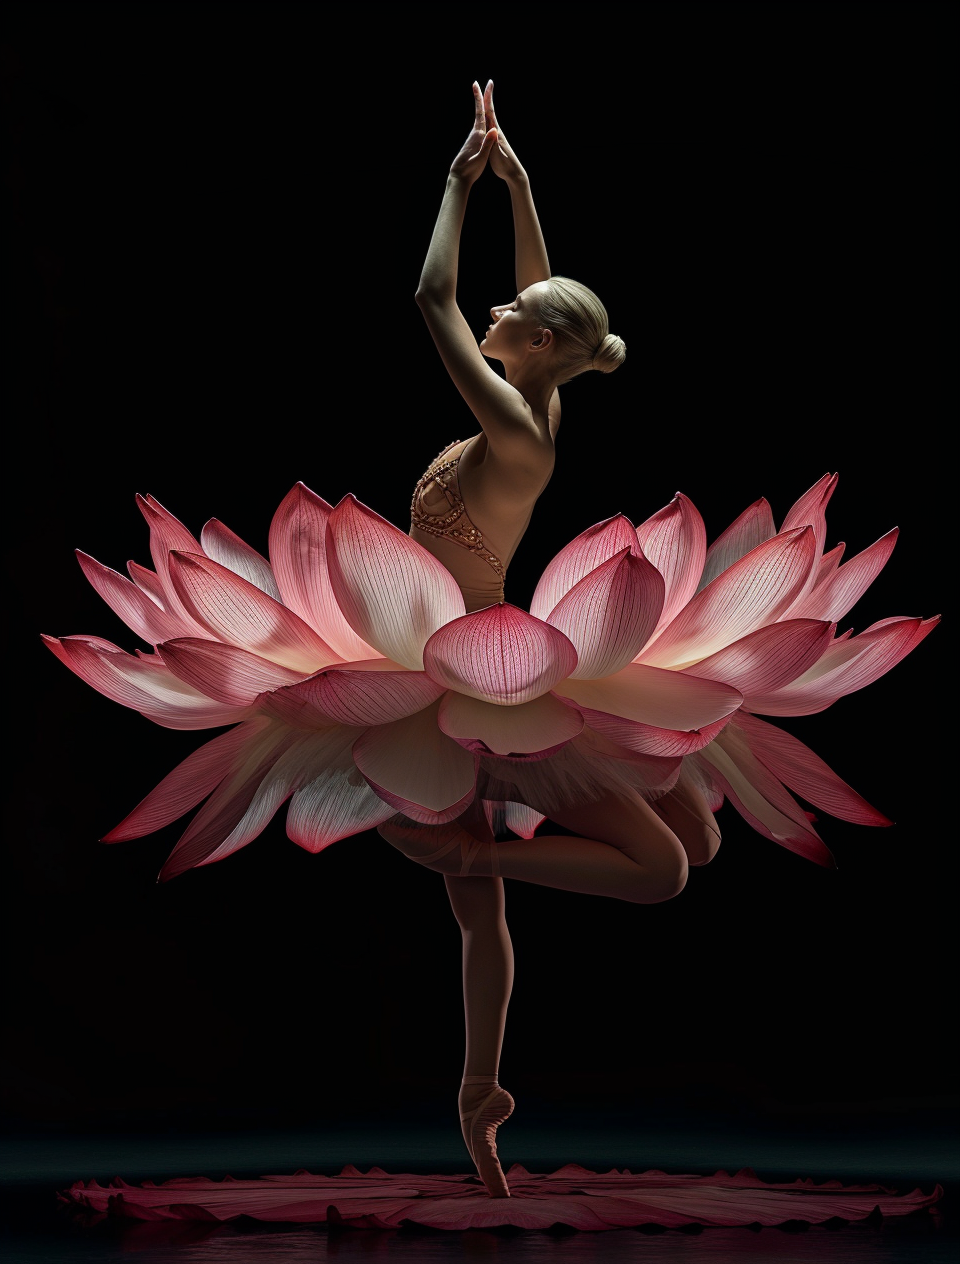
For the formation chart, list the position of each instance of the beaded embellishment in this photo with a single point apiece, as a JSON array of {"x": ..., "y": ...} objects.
[{"x": 454, "y": 525}]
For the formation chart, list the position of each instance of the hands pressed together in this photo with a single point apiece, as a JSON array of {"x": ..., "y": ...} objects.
[{"x": 486, "y": 142}]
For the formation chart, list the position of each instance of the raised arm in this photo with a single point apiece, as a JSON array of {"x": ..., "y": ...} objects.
[
  {"x": 501, "y": 410},
  {"x": 532, "y": 264}
]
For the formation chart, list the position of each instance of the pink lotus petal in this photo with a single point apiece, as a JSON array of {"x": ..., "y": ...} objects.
[
  {"x": 651, "y": 695},
  {"x": 769, "y": 657},
  {"x": 829, "y": 563},
  {"x": 804, "y": 772},
  {"x": 810, "y": 510},
  {"x": 224, "y": 546},
  {"x": 647, "y": 739},
  {"x": 337, "y": 803},
  {"x": 234, "y": 611},
  {"x": 499, "y": 654},
  {"x": 675, "y": 541},
  {"x": 572, "y": 1195},
  {"x": 750, "y": 593},
  {"x": 754, "y": 526},
  {"x": 848, "y": 665},
  {"x": 298, "y": 553},
  {"x": 190, "y": 782},
  {"x": 167, "y": 533},
  {"x": 539, "y": 727},
  {"x": 148, "y": 582},
  {"x": 611, "y": 613},
  {"x": 144, "y": 684},
  {"x": 273, "y": 763},
  {"x": 392, "y": 591},
  {"x": 592, "y": 547},
  {"x": 836, "y": 592},
  {"x": 138, "y": 610},
  {"x": 376, "y": 692},
  {"x": 224, "y": 672},
  {"x": 760, "y": 798},
  {"x": 521, "y": 819},
  {"x": 416, "y": 768}
]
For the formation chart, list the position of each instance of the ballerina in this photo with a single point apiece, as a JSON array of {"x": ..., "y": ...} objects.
[
  {"x": 471, "y": 509},
  {"x": 373, "y": 679}
]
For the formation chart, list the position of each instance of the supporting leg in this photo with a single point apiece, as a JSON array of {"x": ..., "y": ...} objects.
[{"x": 478, "y": 905}]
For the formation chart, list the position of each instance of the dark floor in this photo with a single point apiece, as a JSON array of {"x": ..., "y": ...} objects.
[{"x": 35, "y": 1229}]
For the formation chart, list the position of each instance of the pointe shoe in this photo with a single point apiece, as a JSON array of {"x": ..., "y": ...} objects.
[{"x": 479, "y": 1128}]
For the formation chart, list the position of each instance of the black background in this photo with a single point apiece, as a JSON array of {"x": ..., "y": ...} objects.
[{"x": 218, "y": 218}]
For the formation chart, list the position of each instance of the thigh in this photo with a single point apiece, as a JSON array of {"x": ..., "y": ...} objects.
[{"x": 623, "y": 820}]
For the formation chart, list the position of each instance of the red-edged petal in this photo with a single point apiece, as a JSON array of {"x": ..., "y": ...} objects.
[
  {"x": 225, "y": 546},
  {"x": 499, "y": 654},
  {"x": 275, "y": 763},
  {"x": 611, "y": 613},
  {"x": 224, "y": 672},
  {"x": 675, "y": 541},
  {"x": 336, "y": 804},
  {"x": 578, "y": 558},
  {"x": 754, "y": 526},
  {"x": 647, "y": 739},
  {"x": 420, "y": 771},
  {"x": 768, "y": 658},
  {"x": 143, "y": 683},
  {"x": 298, "y": 554},
  {"x": 376, "y": 692},
  {"x": 798, "y": 767},
  {"x": 749, "y": 594},
  {"x": 836, "y": 592},
  {"x": 167, "y": 534},
  {"x": 138, "y": 610},
  {"x": 238, "y": 613},
  {"x": 651, "y": 695},
  {"x": 538, "y": 728},
  {"x": 147, "y": 581},
  {"x": 848, "y": 665},
  {"x": 392, "y": 591},
  {"x": 829, "y": 563},
  {"x": 760, "y": 798},
  {"x": 190, "y": 782},
  {"x": 810, "y": 510},
  {"x": 521, "y": 819}
]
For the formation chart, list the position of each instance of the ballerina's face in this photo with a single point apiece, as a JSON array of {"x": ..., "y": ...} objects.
[{"x": 514, "y": 326}]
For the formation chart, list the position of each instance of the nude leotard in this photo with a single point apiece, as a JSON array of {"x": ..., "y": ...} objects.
[{"x": 440, "y": 522}]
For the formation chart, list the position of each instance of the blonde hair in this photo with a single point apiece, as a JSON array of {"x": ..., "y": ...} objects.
[{"x": 579, "y": 322}]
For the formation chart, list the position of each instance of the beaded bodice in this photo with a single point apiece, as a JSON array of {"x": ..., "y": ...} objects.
[{"x": 453, "y": 522}]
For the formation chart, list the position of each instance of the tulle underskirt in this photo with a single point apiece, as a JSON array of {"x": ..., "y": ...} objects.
[{"x": 572, "y": 1196}]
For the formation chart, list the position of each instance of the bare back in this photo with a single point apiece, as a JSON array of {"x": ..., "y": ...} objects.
[{"x": 471, "y": 511}]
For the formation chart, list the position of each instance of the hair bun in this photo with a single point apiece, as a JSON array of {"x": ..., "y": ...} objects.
[{"x": 610, "y": 354}]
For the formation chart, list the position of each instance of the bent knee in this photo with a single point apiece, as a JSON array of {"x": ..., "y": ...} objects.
[
  {"x": 702, "y": 849},
  {"x": 661, "y": 880}
]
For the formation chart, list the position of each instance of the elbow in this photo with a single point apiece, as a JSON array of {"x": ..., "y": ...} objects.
[{"x": 429, "y": 296}]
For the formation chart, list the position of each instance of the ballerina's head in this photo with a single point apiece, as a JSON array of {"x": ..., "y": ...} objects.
[{"x": 559, "y": 320}]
